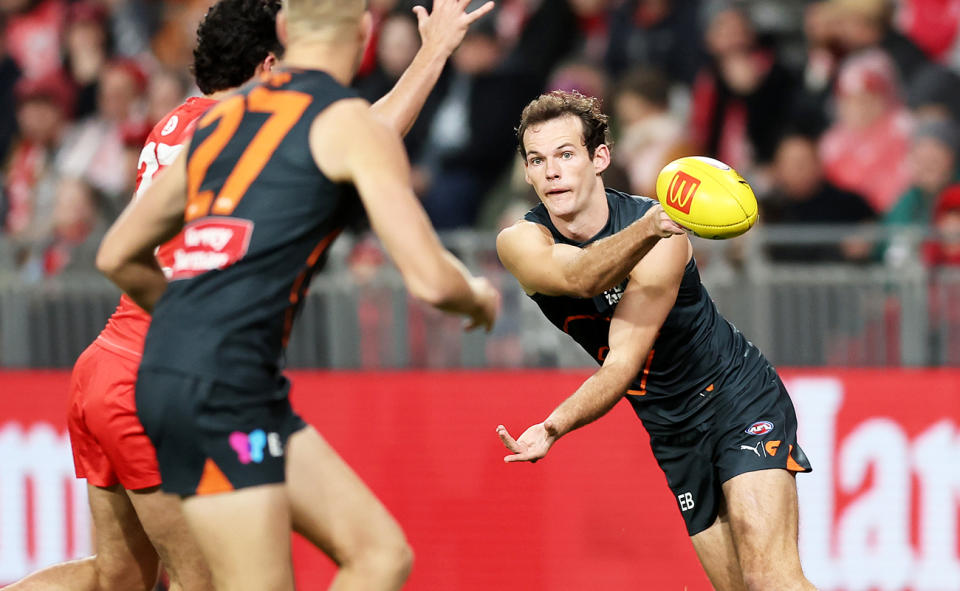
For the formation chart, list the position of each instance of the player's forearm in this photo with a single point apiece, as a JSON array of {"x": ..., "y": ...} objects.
[
  {"x": 605, "y": 263},
  {"x": 453, "y": 291},
  {"x": 140, "y": 278},
  {"x": 593, "y": 399},
  {"x": 400, "y": 107}
]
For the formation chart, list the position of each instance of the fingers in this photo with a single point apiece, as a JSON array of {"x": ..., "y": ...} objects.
[
  {"x": 422, "y": 15},
  {"x": 524, "y": 457},
  {"x": 508, "y": 441},
  {"x": 478, "y": 13}
]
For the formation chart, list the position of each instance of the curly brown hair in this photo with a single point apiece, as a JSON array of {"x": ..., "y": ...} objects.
[{"x": 560, "y": 103}]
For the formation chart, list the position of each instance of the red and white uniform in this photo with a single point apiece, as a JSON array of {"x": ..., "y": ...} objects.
[{"x": 109, "y": 445}]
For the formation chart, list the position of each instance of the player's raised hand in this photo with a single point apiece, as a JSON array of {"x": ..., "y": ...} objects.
[
  {"x": 445, "y": 27},
  {"x": 661, "y": 224},
  {"x": 532, "y": 445},
  {"x": 488, "y": 304}
]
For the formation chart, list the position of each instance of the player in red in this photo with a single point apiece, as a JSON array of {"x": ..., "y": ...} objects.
[{"x": 137, "y": 526}]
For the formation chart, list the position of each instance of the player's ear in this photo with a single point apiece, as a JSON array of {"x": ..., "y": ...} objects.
[
  {"x": 282, "y": 27},
  {"x": 269, "y": 63},
  {"x": 601, "y": 158}
]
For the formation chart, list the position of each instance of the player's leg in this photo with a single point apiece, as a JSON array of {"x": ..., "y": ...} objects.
[
  {"x": 762, "y": 508},
  {"x": 124, "y": 561},
  {"x": 336, "y": 511},
  {"x": 166, "y": 527},
  {"x": 75, "y": 575},
  {"x": 718, "y": 555},
  {"x": 245, "y": 537}
]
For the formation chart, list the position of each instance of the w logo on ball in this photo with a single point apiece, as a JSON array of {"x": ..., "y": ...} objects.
[{"x": 681, "y": 190}]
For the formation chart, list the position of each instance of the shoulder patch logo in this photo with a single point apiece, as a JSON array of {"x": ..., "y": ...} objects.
[
  {"x": 760, "y": 428},
  {"x": 170, "y": 126}
]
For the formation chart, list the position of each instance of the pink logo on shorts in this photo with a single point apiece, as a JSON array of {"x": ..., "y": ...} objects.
[
  {"x": 249, "y": 446},
  {"x": 760, "y": 428}
]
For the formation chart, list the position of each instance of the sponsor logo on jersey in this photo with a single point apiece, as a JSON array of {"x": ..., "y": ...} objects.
[
  {"x": 681, "y": 191},
  {"x": 759, "y": 428},
  {"x": 170, "y": 126},
  {"x": 210, "y": 244},
  {"x": 250, "y": 447}
]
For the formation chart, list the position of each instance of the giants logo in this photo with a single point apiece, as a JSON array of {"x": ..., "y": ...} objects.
[{"x": 681, "y": 190}]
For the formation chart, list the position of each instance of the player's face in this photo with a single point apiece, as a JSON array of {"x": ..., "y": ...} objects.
[{"x": 559, "y": 167}]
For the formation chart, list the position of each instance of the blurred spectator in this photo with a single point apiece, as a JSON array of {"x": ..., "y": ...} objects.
[
  {"x": 593, "y": 22},
  {"x": 96, "y": 144},
  {"x": 9, "y": 74},
  {"x": 132, "y": 23},
  {"x": 933, "y": 166},
  {"x": 742, "y": 99},
  {"x": 166, "y": 90},
  {"x": 664, "y": 34},
  {"x": 43, "y": 112},
  {"x": 87, "y": 48},
  {"x": 801, "y": 195},
  {"x": 819, "y": 70},
  {"x": 172, "y": 45},
  {"x": 581, "y": 76},
  {"x": 398, "y": 43},
  {"x": 75, "y": 233},
  {"x": 865, "y": 150},
  {"x": 934, "y": 93},
  {"x": 868, "y": 24},
  {"x": 33, "y": 31},
  {"x": 931, "y": 24},
  {"x": 471, "y": 138},
  {"x": 649, "y": 135},
  {"x": 944, "y": 249}
]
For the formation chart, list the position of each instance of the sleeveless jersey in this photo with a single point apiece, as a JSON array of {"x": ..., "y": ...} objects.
[
  {"x": 127, "y": 327},
  {"x": 258, "y": 220},
  {"x": 697, "y": 352}
]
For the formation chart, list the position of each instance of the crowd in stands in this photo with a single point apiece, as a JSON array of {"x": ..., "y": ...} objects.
[{"x": 837, "y": 111}]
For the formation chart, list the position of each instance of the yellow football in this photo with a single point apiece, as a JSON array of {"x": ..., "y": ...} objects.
[{"x": 707, "y": 196}]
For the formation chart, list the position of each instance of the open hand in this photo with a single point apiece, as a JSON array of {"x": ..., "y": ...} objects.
[
  {"x": 660, "y": 223},
  {"x": 532, "y": 445},
  {"x": 444, "y": 28}
]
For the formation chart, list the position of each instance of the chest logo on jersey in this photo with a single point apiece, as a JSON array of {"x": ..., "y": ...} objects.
[
  {"x": 681, "y": 191},
  {"x": 209, "y": 244}
]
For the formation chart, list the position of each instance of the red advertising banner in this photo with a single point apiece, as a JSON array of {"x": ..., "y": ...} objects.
[{"x": 880, "y": 510}]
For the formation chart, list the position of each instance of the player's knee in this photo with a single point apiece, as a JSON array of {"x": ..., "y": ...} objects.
[{"x": 386, "y": 560}]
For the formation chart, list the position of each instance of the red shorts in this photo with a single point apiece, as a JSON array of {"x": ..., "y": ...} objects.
[{"x": 109, "y": 445}]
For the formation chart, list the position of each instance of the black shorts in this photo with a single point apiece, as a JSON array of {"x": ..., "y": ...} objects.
[
  {"x": 754, "y": 430},
  {"x": 212, "y": 437}
]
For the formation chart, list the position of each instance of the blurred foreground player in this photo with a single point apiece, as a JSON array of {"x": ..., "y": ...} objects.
[
  {"x": 264, "y": 188},
  {"x": 721, "y": 424},
  {"x": 133, "y": 519},
  {"x": 135, "y": 524}
]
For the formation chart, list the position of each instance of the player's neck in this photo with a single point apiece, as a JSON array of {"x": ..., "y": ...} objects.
[
  {"x": 585, "y": 223},
  {"x": 335, "y": 58}
]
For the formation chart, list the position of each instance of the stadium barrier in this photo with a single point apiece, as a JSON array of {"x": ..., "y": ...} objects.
[{"x": 880, "y": 510}]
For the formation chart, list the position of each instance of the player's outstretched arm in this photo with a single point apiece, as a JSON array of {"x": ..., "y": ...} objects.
[
  {"x": 350, "y": 145},
  {"x": 540, "y": 265},
  {"x": 441, "y": 32},
  {"x": 649, "y": 296},
  {"x": 126, "y": 252}
]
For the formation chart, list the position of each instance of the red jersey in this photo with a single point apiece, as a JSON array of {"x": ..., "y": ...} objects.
[{"x": 127, "y": 327}]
